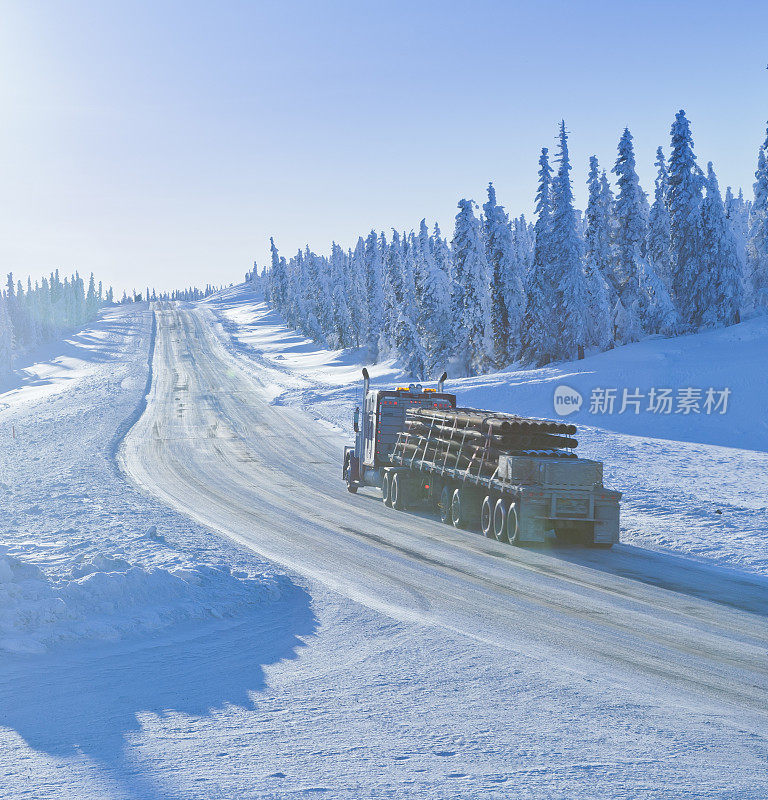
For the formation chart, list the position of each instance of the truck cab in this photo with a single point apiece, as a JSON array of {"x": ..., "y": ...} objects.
[{"x": 383, "y": 418}]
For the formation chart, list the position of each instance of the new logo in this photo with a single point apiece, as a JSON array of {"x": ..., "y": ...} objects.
[{"x": 567, "y": 401}]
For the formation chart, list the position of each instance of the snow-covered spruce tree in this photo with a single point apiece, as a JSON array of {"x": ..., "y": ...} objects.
[
  {"x": 507, "y": 298},
  {"x": 278, "y": 284},
  {"x": 626, "y": 326},
  {"x": 597, "y": 259},
  {"x": 312, "y": 298},
  {"x": 523, "y": 243},
  {"x": 393, "y": 291},
  {"x": 538, "y": 334},
  {"x": 6, "y": 337},
  {"x": 340, "y": 316},
  {"x": 597, "y": 237},
  {"x": 441, "y": 252},
  {"x": 657, "y": 243},
  {"x": 722, "y": 287},
  {"x": 474, "y": 344},
  {"x": 374, "y": 284},
  {"x": 92, "y": 300},
  {"x": 685, "y": 185},
  {"x": 434, "y": 320},
  {"x": 630, "y": 225},
  {"x": 757, "y": 246},
  {"x": 737, "y": 213},
  {"x": 358, "y": 303},
  {"x": 408, "y": 346},
  {"x": 659, "y": 314},
  {"x": 566, "y": 246}
]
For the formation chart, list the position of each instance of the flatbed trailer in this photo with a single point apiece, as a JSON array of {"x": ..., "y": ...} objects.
[{"x": 523, "y": 498}]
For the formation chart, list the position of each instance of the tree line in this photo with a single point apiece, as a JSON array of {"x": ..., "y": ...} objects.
[
  {"x": 40, "y": 313},
  {"x": 505, "y": 290}
]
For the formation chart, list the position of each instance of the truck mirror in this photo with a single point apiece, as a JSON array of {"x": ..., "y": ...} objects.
[{"x": 357, "y": 419}]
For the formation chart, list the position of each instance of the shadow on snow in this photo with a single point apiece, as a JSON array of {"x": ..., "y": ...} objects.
[{"x": 89, "y": 699}]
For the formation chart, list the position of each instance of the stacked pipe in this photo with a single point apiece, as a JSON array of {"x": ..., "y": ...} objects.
[{"x": 470, "y": 439}]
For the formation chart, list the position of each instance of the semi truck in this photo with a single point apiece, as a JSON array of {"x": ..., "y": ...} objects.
[{"x": 516, "y": 479}]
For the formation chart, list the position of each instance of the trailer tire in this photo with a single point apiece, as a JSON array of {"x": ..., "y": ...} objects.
[
  {"x": 385, "y": 494},
  {"x": 397, "y": 492},
  {"x": 500, "y": 521},
  {"x": 458, "y": 509},
  {"x": 513, "y": 526},
  {"x": 445, "y": 504},
  {"x": 486, "y": 517}
]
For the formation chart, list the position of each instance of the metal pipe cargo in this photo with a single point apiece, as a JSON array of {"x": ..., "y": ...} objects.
[
  {"x": 506, "y": 441},
  {"x": 497, "y": 423}
]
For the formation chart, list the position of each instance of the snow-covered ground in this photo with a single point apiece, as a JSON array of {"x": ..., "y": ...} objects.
[
  {"x": 694, "y": 484},
  {"x": 144, "y": 656}
]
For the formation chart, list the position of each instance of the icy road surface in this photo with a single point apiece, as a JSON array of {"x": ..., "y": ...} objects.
[{"x": 211, "y": 444}]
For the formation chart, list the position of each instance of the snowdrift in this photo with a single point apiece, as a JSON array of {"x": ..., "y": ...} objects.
[{"x": 109, "y": 598}]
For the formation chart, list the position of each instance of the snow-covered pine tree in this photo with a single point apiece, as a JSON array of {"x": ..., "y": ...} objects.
[
  {"x": 630, "y": 225},
  {"x": 567, "y": 257},
  {"x": 374, "y": 284},
  {"x": 657, "y": 243},
  {"x": 92, "y": 300},
  {"x": 523, "y": 243},
  {"x": 757, "y": 246},
  {"x": 722, "y": 288},
  {"x": 358, "y": 304},
  {"x": 6, "y": 337},
  {"x": 340, "y": 317},
  {"x": 507, "y": 297},
  {"x": 626, "y": 327},
  {"x": 597, "y": 237},
  {"x": 657, "y": 309},
  {"x": 408, "y": 346},
  {"x": 278, "y": 283},
  {"x": 597, "y": 259},
  {"x": 538, "y": 334},
  {"x": 434, "y": 312},
  {"x": 685, "y": 185},
  {"x": 474, "y": 347},
  {"x": 737, "y": 213},
  {"x": 389, "y": 307}
]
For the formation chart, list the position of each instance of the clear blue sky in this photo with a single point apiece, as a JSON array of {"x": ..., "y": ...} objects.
[{"x": 164, "y": 142}]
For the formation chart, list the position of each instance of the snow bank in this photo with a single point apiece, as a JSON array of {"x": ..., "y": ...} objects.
[{"x": 109, "y": 599}]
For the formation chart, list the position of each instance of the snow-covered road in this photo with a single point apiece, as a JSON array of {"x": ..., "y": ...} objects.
[{"x": 211, "y": 444}]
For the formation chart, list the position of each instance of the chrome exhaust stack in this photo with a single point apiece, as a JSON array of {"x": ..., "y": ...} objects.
[{"x": 440, "y": 382}]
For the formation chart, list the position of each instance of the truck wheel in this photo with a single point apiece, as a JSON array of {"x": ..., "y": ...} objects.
[
  {"x": 397, "y": 492},
  {"x": 500, "y": 520},
  {"x": 513, "y": 529},
  {"x": 486, "y": 517},
  {"x": 445, "y": 505},
  {"x": 385, "y": 489},
  {"x": 457, "y": 512}
]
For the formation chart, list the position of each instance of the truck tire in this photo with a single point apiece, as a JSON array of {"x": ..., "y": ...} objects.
[
  {"x": 445, "y": 504},
  {"x": 513, "y": 527},
  {"x": 397, "y": 492},
  {"x": 385, "y": 489},
  {"x": 459, "y": 509},
  {"x": 486, "y": 517},
  {"x": 500, "y": 520}
]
